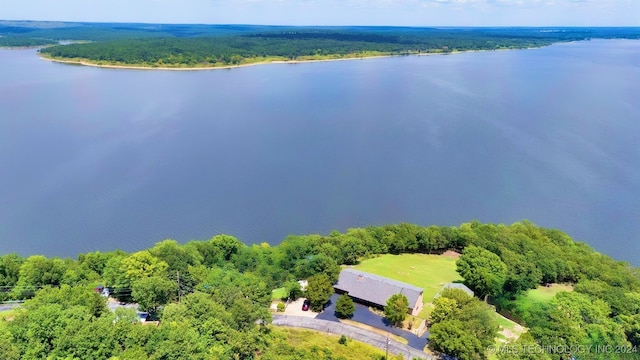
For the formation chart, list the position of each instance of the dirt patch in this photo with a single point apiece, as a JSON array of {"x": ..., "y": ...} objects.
[
  {"x": 515, "y": 334},
  {"x": 451, "y": 254}
]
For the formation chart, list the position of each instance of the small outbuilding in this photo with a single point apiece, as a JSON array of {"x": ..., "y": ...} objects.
[
  {"x": 374, "y": 290},
  {"x": 462, "y": 287}
]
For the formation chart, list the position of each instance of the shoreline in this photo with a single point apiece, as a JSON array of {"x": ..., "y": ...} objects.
[
  {"x": 85, "y": 62},
  {"x": 82, "y": 62}
]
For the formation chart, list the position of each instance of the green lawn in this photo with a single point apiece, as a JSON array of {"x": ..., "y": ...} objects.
[
  {"x": 309, "y": 340},
  {"x": 279, "y": 293},
  {"x": 429, "y": 272},
  {"x": 532, "y": 298},
  {"x": 544, "y": 294}
]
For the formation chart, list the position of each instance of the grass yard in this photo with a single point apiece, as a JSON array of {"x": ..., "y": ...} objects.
[
  {"x": 509, "y": 329},
  {"x": 375, "y": 330},
  {"x": 429, "y": 272},
  {"x": 542, "y": 294},
  {"x": 279, "y": 293},
  {"x": 8, "y": 315},
  {"x": 315, "y": 341}
]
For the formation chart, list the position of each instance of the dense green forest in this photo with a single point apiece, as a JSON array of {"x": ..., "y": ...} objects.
[
  {"x": 297, "y": 44},
  {"x": 150, "y": 45},
  {"x": 212, "y": 297}
]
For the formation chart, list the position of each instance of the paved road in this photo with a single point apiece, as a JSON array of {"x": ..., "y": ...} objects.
[
  {"x": 365, "y": 336},
  {"x": 363, "y": 315},
  {"x": 8, "y": 306}
]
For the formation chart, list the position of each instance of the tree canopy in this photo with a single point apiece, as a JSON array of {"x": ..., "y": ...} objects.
[
  {"x": 225, "y": 290},
  {"x": 482, "y": 270},
  {"x": 319, "y": 290},
  {"x": 345, "y": 307},
  {"x": 220, "y": 45},
  {"x": 396, "y": 309}
]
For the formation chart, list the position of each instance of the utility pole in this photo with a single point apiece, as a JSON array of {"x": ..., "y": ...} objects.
[
  {"x": 386, "y": 356},
  {"x": 179, "y": 293}
]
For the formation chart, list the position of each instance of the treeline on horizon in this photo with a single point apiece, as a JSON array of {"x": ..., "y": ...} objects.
[
  {"x": 299, "y": 44},
  {"x": 219, "y": 45},
  {"x": 225, "y": 289}
]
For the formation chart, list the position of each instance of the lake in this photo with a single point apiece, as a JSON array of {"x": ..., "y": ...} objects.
[{"x": 99, "y": 159}]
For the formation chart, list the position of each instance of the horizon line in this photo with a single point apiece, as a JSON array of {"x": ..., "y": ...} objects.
[{"x": 334, "y": 26}]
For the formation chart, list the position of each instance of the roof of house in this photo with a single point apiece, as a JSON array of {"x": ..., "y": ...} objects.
[
  {"x": 375, "y": 289},
  {"x": 462, "y": 287}
]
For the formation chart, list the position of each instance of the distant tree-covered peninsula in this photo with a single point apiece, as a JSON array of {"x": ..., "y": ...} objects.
[{"x": 204, "y": 46}]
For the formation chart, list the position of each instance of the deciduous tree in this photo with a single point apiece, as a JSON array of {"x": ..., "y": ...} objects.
[
  {"x": 319, "y": 290},
  {"x": 482, "y": 271},
  {"x": 396, "y": 309},
  {"x": 153, "y": 292}
]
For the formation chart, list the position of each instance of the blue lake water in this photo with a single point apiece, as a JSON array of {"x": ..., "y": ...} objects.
[{"x": 98, "y": 159}]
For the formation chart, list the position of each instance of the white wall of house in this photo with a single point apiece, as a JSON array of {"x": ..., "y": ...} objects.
[{"x": 417, "y": 307}]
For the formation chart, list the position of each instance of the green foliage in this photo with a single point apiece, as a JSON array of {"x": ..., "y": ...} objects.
[
  {"x": 142, "y": 264},
  {"x": 177, "y": 341},
  {"x": 8, "y": 347},
  {"x": 69, "y": 296},
  {"x": 96, "y": 262},
  {"x": 21, "y": 41},
  {"x": 280, "y": 307},
  {"x": 318, "y": 264},
  {"x": 294, "y": 290},
  {"x": 9, "y": 275},
  {"x": 353, "y": 249},
  {"x": 319, "y": 290},
  {"x": 232, "y": 283},
  {"x": 345, "y": 307},
  {"x": 153, "y": 292},
  {"x": 86, "y": 340},
  {"x": 126, "y": 315},
  {"x": 396, "y": 309},
  {"x": 228, "y": 286},
  {"x": 525, "y": 348},
  {"x": 453, "y": 338},
  {"x": 177, "y": 258},
  {"x": 38, "y": 271},
  {"x": 342, "y": 340},
  {"x": 226, "y": 245},
  {"x": 482, "y": 271},
  {"x": 210, "y": 46},
  {"x": 443, "y": 308},
  {"x": 574, "y": 318},
  {"x": 463, "y": 326},
  {"x": 10, "y": 269}
]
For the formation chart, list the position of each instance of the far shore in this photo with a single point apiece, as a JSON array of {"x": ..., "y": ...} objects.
[
  {"x": 196, "y": 68},
  {"x": 85, "y": 62}
]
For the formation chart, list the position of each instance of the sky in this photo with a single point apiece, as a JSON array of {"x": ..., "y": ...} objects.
[{"x": 334, "y": 12}]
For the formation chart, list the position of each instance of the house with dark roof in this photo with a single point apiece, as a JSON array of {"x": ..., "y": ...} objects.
[{"x": 374, "y": 290}]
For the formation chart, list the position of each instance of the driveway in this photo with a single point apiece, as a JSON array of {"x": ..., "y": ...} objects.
[
  {"x": 295, "y": 309},
  {"x": 364, "y": 316},
  {"x": 113, "y": 304},
  {"x": 7, "y": 307},
  {"x": 366, "y": 336}
]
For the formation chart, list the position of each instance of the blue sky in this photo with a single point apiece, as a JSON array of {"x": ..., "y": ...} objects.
[{"x": 334, "y": 12}]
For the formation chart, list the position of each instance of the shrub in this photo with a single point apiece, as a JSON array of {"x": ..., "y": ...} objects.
[{"x": 345, "y": 307}]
